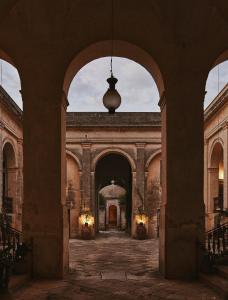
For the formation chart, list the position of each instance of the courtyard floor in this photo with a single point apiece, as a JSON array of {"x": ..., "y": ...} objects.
[{"x": 113, "y": 267}]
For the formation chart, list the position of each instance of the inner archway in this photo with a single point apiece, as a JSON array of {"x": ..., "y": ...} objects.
[
  {"x": 216, "y": 184},
  {"x": 113, "y": 192},
  {"x": 9, "y": 183}
]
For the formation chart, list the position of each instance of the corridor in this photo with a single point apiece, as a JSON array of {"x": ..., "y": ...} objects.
[{"x": 113, "y": 267}]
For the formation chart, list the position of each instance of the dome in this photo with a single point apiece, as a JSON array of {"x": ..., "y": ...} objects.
[{"x": 112, "y": 191}]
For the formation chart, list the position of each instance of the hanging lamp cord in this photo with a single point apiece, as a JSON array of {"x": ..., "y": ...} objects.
[{"x": 112, "y": 32}]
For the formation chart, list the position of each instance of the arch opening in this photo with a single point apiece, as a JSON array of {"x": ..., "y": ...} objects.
[
  {"x": 113, "y": 193},
  {"x": 10, "y": 82},
  {"x": 135, "y": 85},
  {"x": 121, "y": 49},
  {"x": 217, "y": 183},
  {"x": 217, "y": 79},
  {"x": 9, "y": 182}
]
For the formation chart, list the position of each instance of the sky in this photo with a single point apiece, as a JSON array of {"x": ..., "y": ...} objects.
[{"x": 135, "y": 85}]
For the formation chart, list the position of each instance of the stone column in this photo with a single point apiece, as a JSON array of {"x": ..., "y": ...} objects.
[
  {"x": 19, "y": 183},
  {"x": 206, "y": 185},
  {"x": 225, "y": 151},
  {"x": 86, "y": 177},
  {"x": 213, "y": 187},
  {"x": 12, "y": 193},
  {"x": 45, "y": 222},
  {"x": 134, "y": 203},
  {"x": 80, "y": 190},
  {"x": 206, "y": 174},
  {"x": 145, "y": 189},
  {"x": 182, "y": 209},
  {"x": 94, "y": 201},
  {"x": 140, "y": 174}
]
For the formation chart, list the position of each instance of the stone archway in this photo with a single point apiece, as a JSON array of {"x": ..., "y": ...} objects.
[
  {"x": 112, "y": 167},
  {"x": 9, "y": 183},
  {"x": 55, "y": 26},
  {"x": 216, "y": 184},
  {"x": 121, "y": 49}
]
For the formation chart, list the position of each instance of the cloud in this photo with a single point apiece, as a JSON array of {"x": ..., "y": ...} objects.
[
  {"x": 217, "y": 79},
  {"x": 10, "y": 80},
  {"x": 135, "y": 85}
]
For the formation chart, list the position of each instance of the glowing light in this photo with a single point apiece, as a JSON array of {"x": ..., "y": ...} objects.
[
  {"x": 141, "y": 218},
  {"x": 86, "y": 218},
  {"x": 221, "y": 171}
]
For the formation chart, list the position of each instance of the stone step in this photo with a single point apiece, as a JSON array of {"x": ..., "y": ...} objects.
[
  {"x": 222, "y": 271},
  {"x": 217, "y": 283}
]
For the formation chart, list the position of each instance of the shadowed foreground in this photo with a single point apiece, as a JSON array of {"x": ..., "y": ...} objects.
[{"x": 113, "y": 267}]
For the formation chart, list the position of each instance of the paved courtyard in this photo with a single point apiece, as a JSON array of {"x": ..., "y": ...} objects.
[{"x": 113, "y": 267}]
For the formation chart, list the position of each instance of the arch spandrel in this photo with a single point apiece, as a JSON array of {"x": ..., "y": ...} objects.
[
  {"x": 151, "y": 157},
  {"x": 76, "y": 159},
  {"x": 9, "y": 142},
  {"x": 216, "y": 151}
]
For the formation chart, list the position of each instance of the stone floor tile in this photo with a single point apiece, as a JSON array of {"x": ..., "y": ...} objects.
[{"x": 113, "y": 267}]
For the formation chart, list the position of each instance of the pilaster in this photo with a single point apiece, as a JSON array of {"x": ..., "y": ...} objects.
[
  {"x": 225, "y": 151},
  {"x": 140, "y": 174},
  {"x": 86, "y": 176}
]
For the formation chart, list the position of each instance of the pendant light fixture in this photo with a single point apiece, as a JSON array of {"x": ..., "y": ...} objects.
[{"x": 111, "y": 98}]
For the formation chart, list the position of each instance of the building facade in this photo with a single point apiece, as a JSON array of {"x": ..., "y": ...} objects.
[
  {"x": 11, "y": 159},
  {"x": 216, "y": 160},
  {"x": 126, "y": 148}
]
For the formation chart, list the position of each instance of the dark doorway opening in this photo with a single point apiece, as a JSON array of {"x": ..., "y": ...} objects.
[{"x": 114, "y": 167}]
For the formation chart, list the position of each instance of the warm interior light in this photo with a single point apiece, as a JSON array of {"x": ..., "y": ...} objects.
[
  {"x": 86, "y": 218},
  {"x": 141, "y": 219},
  {"x": 221, "y": 171}
]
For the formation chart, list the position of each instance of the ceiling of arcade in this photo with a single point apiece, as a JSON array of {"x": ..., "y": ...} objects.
[{"x": 175, "y": 33}]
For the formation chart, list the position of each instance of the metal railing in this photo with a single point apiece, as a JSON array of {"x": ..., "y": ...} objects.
[
  {"x": 217, "y": 241},
  {"x": 11, "y": 249}
]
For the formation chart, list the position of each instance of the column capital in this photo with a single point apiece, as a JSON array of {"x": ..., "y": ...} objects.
[
  {"x": 133, "y": 174},
  {"x": 212, "y": 169},
  {"x": 140, "y": 145},
  {"x": 86, "y": 145},
  {"x": 20, "y": 141}
]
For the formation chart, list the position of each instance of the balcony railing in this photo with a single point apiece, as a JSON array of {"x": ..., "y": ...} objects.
[
  {"x": 217, "y": 241},
  {"x": 11, "y": 249}
]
